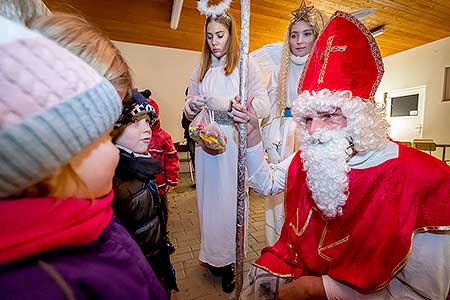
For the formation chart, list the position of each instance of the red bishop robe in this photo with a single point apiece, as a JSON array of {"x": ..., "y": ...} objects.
[{"x": 366, "y": 246}]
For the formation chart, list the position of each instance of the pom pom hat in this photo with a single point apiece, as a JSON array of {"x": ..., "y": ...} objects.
[
  {"x": 52, "y": 106},
  {"x": 135, "y": 107},
  {"x": 345, "y": 57}
]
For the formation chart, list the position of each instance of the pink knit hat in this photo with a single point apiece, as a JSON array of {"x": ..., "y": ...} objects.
[{"x": 52, "y": 106}]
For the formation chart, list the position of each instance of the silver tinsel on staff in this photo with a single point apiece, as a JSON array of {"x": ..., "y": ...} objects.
[{"x": 242, "y": 158}]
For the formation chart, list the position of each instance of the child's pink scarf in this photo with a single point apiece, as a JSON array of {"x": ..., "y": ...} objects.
[{"x": 31, "y": 226}]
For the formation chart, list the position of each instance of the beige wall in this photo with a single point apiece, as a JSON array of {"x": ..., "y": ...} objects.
[
  {"x": 166, "y": 72},
  {"x": 422, "y": 66}
]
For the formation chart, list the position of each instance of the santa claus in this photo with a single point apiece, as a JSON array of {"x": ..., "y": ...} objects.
[{"x": 366, "y": 217}]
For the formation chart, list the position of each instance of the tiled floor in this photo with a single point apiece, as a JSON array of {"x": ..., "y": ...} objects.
[{"x": 194, "y": 280}]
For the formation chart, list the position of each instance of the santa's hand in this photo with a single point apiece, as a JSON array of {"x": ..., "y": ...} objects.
[
  {"x": 247, "y": 115},
  {"x": 305, "y": 287},
  {"x": 194, "y": 104},
  {"x": 219, "y": 104}
]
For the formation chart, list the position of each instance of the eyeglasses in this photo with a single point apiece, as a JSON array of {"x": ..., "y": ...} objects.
[{"x": 331, "y": 117}]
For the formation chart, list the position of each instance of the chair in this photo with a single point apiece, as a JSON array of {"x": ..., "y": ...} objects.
[
  {"x": 183, "y": 148},
  {"x": 409, "y": 144},
  {"x": 424, "y": 145}
]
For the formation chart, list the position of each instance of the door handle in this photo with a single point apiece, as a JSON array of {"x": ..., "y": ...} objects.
[{"x": 420, "y": 128}]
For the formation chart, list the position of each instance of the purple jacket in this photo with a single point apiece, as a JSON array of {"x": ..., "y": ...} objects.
[{"x": 112, "y": 267}]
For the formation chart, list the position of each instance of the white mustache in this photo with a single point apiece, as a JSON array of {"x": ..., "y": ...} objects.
[{"x": 322, "y": 136}]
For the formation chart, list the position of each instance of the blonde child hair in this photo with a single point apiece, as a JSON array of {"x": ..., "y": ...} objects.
[{"x": 87, "y": 42}]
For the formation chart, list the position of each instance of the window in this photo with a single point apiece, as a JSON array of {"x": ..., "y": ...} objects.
[
  {"x": 446, "y": 94},
  {"x": 405, "y": 105}
]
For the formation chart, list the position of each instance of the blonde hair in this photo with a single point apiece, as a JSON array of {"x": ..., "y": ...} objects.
[
  {"x": 87, "y": 42},
  {"x": 232, "y": 46},
  {"x": 23, "y": 11},
  {"x": 316, "y": 20}
]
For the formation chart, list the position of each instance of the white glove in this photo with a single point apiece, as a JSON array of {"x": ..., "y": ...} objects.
[
  {"x": 273, "y": 155},
  {"x": 194, "y": 104},
  {"x": 218, "y": 104}
]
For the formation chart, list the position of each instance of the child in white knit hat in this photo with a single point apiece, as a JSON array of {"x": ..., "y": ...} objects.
[{"x": 58, "y": 237}]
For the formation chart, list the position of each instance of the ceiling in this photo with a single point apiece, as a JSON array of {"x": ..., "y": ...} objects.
[{"x": 408, "y": 23}]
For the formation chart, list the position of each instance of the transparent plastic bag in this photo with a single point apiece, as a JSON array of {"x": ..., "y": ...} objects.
[
  {"x": 198, "y": 124},
  {"x": 205, "y": 130}
]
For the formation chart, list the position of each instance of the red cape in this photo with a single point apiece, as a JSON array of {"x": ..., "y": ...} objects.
[{"x": 371, "y": 241}]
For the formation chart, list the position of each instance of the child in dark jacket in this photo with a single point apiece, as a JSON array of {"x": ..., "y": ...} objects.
[
  {"x": 161, "y": 147},
  {"x": 137, "y": 202},
  {"x": 59, "y": 239}
]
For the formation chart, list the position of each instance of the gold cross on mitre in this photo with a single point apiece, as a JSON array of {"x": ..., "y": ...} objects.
[
  {"x": 300, "y": 12},
  {"x": 326, "y": 54}
]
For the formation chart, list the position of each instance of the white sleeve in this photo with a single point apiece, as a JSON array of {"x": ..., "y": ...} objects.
[
  {"x": 193, "y": 91},
  {"x": 425, "y": 276},
  {"x": 194, "y": 82},
  {"x": 264, "y": 178},
  {"x": 271, "y": 135},
  {"x": 257, "y": 89}
]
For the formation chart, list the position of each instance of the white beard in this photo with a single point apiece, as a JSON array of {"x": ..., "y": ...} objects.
[{"x": 325, "y": 154}]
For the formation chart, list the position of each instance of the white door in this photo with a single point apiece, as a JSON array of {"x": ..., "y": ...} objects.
[{"x": 404, "y": 109}]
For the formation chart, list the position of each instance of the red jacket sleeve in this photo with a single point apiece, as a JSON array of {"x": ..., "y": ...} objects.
[{"x": 171, "y": 162}]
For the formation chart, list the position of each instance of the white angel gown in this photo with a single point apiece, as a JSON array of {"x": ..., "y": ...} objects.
[
  {"x": 216, "y": 175},
  {"x": 279, "y": 136}
]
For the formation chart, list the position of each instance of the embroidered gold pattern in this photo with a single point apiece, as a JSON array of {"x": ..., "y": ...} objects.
[
  {"x": 401, "y": 264},
  {"x": 295, "y": 227},
  {"x": 321, "y": 248},
  {"x": 373, "y": 48},
  {"x": 274, "y": 273},
  {"x": 326, "y": 55}
]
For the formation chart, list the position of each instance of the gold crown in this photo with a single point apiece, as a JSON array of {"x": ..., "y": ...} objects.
[{"x": 300, "y": 12}]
